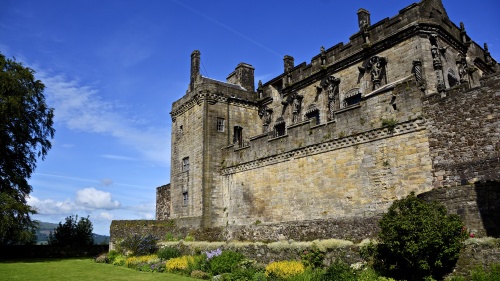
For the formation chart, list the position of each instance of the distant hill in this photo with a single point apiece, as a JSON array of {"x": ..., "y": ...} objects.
[{"x": 42, "y": 235}]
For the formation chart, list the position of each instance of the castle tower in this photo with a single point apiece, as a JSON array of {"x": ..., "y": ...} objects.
[{"x": 212, "y": 114}]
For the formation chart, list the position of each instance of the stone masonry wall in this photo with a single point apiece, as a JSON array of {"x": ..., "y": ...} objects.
[
  {"x": 464, "y": 133},
  {"x": 478, "y": 205},
  {"x": 163, "y": 202}
]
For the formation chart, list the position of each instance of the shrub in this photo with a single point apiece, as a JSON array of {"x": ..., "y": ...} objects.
[
  {"x": 179, "y": 264},
  {"x": 284, "y": 269},
  {"x": 491, "y": 274},
  {"x": 225, "y": 262},
  {"x": 139, "y": 245},
  {"x": 137, "y": 261},
  {"x": 112, "y": 255},
  {"x": 119, "y": 260},
  {"x": 312, "y": 258},
  {"x": 259, "y": 276},
  {"x": 418, "y": 240},
  {"x": 198, "y": 274},
  {"x": 339, "y": 271},
  {"x": 167, "y": 253},
  {"x": 309, "y": 274}
]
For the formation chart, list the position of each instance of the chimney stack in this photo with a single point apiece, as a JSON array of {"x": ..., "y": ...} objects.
[{"x": 195, "y": 67}]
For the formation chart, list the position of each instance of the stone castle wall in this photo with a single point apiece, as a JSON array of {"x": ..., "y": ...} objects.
[{"x": 464, "y": 133}]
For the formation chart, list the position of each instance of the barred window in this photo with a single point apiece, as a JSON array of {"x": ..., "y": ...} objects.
[{"x": 220, "y": 124}]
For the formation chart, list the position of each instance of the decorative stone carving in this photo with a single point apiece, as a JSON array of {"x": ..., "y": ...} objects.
[
  {"x": 265, "y": 114},
  {"x": 323, "y": 55},
  {"x": 376, "y": 65},
  {"x": 260, "y": 90},
  {"x": 462, "y": 68},
  {"x": 436, "y": 62},
  {"x": 331, "y": 85},
  {"x": 487, "y": 56},
  {"x": 417, "y": 71},
  {"x": 296, "y": 107}
]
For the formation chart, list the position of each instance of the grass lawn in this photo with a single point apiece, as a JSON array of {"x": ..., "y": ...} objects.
[{"x": 76, "y": 269}]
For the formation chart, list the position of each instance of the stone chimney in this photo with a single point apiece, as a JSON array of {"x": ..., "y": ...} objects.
[
  {"x": 363, "y": 19},
  {"x": 243, "y": 75},
  {"x": 195, "y": 67},
  {"x": 288, "y": 62}
]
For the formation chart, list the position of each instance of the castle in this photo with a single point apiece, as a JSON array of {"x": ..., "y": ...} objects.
[{"x": 409, "y": 104}]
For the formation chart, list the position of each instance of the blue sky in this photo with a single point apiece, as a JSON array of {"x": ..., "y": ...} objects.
[{"x": 113, "y": 68}]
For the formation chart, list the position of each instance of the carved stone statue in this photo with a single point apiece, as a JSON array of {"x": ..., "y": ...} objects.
[
  {"x": 376, "y": 66},
  {"x": 265, "y": 114},
  {"x": 296, "y": 107},
  {"x": 331, "y": 84}
]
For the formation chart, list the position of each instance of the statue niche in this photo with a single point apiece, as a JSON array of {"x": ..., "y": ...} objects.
[
  {"x": 331, "y": 86},
  {"x": 376, "y": 66},
  {"x": 296, "y": 107},
  {"x": 265, "y": 114}
]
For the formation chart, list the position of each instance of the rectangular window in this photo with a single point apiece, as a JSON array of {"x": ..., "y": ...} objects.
[
  {"x": 220, "y": 124},
  {"x": 185, "y": 198},
  {"x": 185, "y": 164},
  {"x": 181, "y": 129}
]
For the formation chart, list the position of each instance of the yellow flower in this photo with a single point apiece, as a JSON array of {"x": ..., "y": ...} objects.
[
  {"x": 179, "y": 264},
  {"x": 284, "y": 269}
]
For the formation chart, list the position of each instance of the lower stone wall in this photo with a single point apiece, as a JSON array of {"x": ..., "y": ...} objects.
[
  {"x": 478, "y": 205},
  {"x": 265, "y": 253},
  {"x": 352, "y": 229},
  {"x": 476, "y": 252}
]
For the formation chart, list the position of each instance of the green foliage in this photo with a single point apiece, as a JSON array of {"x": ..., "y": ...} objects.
[
  {"x": 138, "y": 245},
  {"x": 339, "y": 271},
  {"x": 112, "y": 255},
  {"x": 491, "y": 274},
  {"x": 418, "y": 240},
  {"x": 390, "y": 124},
  {"x": 225, "y": 262},
  {"x": 25, "y": 130},
  {"x": 312, "y": 258},
  {"x": 73, "y": 232},
  {"x": 198, "y": 274},
  {"x": 167, "y": 253}
]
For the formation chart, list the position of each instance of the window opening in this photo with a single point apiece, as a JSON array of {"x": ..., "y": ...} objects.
[
  {"x": 185, "y": 164},
  {"x": 220, "y": 124},
  {"x": 238, "y": 136}
]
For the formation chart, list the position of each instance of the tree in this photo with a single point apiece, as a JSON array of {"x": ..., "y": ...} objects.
[
  {"x": 419, "y": 240},
  {"x": 73, "y": 232},
  {"x": 25, "y": 130}
]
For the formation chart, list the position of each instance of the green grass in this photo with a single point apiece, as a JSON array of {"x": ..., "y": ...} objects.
[{"x": 76, "y": 269}]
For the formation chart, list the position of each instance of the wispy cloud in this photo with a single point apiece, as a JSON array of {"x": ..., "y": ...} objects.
[
  {"x": 227, "y": 27},
  {"x": 118, "y": 157},
  {"x": 104, "y": 182},
  {"x": 80, "y": 107}
]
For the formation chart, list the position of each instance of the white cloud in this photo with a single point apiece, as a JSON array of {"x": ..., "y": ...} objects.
[
  {"x": 104, "y": 216},
  {"x": 95, "y": 199},
  {"x": 51, "y": 207},
  {"x": 81, "y": 108},
  {"x": 87, "y": 199}
]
